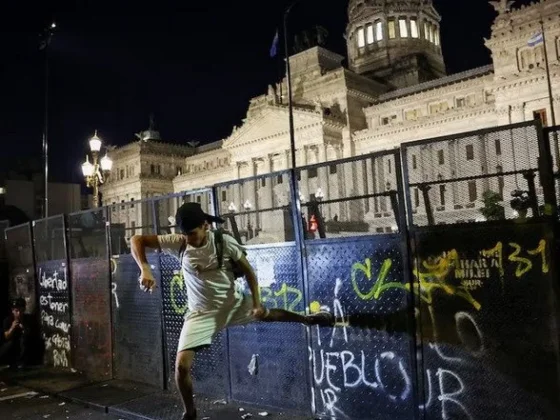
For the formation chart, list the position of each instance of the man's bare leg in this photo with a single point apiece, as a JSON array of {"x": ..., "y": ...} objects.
[
  {"x": 281, "y": 315},
  {"x": 183, "y": 379}
]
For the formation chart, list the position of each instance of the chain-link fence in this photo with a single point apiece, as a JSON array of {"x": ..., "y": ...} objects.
[
  {"x": 350, "y": 197},
  {"x": 491, "y": 174},
  {"x": 553, "y": 136},
  {"x": 257, "y": 210},
  {"x": 91, "y": 293}
]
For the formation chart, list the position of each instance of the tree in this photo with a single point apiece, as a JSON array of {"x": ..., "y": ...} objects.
[{"x": 492, "y": 209}]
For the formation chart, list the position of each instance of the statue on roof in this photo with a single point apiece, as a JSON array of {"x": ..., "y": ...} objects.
[{"x": 502, "y": 6}]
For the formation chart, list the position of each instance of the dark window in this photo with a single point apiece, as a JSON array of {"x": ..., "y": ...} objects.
[
  {"x": 441, "y": 158},
  {"x": 263, "y": 182},
  {"x": 312, "y": 173},
  {"x": 473, "y": 194},
  {"x": 199, "y": 199},
  {"x": 132, "y": 202},
  {"x": 122, "y": 174},
  {"x": 224, "y": 195},
  {"x": 389, "y": 165},
  {"x": 153, "y": 169},
  {"x": 416, "y": 197},
  {"x": 122, "y": 207},
  {"x": 280, "y": 180},
  {"x": 332, "y": 169},
  {"x": 470, "y": 152},
  {"x": 442, "y": 195},
  {"x": 498, "y": 145},
  {"x": 179, "y": 170},
  {"x": 414, "y": 162},
  {"x": 540, "y": 114}
]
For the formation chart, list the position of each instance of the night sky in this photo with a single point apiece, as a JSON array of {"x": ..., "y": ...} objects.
[{"x": 195, "y": 65}]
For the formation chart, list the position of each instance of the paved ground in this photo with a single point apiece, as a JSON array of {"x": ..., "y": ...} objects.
[
  {"x": 54, "y": 394},
  {"x": 22, "y": 403}
]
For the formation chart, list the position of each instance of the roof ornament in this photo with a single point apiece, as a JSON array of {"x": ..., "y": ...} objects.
[{"x": 502, "y": 6}]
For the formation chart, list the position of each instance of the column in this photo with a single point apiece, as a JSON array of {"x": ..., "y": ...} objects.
[
  {"x": 304, "y": 182},
  {"x": 253, "y": 193},
  {"x": 370, "y": 179},
  {"x": 323, "y": 179},
  {"x": 236, "y": 188},
  {"x": 267, "y": 193}
]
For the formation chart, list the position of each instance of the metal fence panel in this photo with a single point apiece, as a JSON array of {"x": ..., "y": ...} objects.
[
  {"x": 54, "y": 290},
  {"x": 257, "y": 210},
  {"x": 91, "y": 294},
  {"x": 489, "y": 318},
  {"x": 363, "y": 367},
  {"x": 489, "y": 174},
  {"x": 269, "y": 363},
  {"x": 137, "y": 323},
  {"x": 21, "y": 266},
  {"x": 210, "y": 370},
  {"x": 350, "y": 197}
]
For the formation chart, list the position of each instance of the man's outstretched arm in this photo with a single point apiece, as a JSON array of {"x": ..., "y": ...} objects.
[{"x": 138, "y": 246}]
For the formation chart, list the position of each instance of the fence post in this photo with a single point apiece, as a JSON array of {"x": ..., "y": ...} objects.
[
  {"x": 418, "y": 381},
  {"x": 546, "y": 171}
]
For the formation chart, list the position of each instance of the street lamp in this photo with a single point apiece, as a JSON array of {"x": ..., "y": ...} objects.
[
  {"x": 97, "y": 171},
  {"x": 247, "y": 206}
]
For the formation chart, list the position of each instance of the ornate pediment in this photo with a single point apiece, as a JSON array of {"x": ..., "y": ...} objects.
[{"x": 272, "y": 122}]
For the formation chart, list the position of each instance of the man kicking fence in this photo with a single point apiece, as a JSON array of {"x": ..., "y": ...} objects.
[{"x": 211, "y": 261}]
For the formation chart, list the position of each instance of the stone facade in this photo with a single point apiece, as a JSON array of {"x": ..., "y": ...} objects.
[{"x": 373, "y": 106}]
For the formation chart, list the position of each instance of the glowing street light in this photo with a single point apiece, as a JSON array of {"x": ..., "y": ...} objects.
[{"x": 96, "y": 171}]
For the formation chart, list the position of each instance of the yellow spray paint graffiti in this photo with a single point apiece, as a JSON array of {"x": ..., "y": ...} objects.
[
  {"x": 433, "y": 273},
  {"x": 287, "y": 298},
  {"x": 177, "y": 287},
  {"x": 434, "y": 278}
]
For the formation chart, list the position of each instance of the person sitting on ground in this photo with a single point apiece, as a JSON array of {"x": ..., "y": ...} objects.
[
  {"x": 214, "y": 303},
  {"x": 16, "y": 332}
]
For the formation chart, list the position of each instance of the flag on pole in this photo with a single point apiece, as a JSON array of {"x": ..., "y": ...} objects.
[
  {"x": 274, "y": 48},
  {"x": 535, "y": 39}
]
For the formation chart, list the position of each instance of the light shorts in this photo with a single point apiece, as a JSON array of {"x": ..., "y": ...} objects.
[{"x": 200, "y": 327}]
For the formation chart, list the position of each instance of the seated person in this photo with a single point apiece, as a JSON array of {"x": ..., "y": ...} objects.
[{"x": 16, "y": 332}]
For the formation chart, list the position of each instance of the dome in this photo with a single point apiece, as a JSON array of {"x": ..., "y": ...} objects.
[{"x": 396, "y": 42}]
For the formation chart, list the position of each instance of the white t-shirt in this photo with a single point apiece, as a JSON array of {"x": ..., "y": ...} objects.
[{"x": 208, "y": 288}]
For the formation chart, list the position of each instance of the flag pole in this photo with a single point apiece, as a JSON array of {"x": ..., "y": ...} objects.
[{"x": 295, "y": 195}]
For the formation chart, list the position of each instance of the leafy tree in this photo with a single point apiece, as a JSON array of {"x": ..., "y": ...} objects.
[{"x": 492, "y": 209}]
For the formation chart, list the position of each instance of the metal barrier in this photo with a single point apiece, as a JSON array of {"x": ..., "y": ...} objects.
[
  {"x": 488, "y": 310},
  {"x": 54, "y": 290},
  {"x": 137, "y": 317},
  {"x": 19, "y": 254},
  {"x": 423, "y": 313},
  {"x": 490, "y": 174},
  {"x": 91, "y": 294}
]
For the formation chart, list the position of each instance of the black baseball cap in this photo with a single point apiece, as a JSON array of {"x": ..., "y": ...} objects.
[
  {"x": 19, "y": 303},
  {"x": 190, "y": 216}
]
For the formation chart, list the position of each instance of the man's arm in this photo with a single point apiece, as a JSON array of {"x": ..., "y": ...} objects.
[
  {"x": 9, "y": 328},
  {"x": 251, "y": 279},
  {"x": 138, "y": 246}
]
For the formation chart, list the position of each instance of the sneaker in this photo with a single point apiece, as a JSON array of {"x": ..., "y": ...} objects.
[{"x": 323, "y": 319}]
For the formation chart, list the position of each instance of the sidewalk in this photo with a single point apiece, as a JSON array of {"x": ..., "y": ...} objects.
[{"x": 113, "y": 399}]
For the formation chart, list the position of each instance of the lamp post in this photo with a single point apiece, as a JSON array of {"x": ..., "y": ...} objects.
[
  {"x": 319, "y": 195},
  {"x": 44, "y": 44},
  {"x": 96, "y": 171}
]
